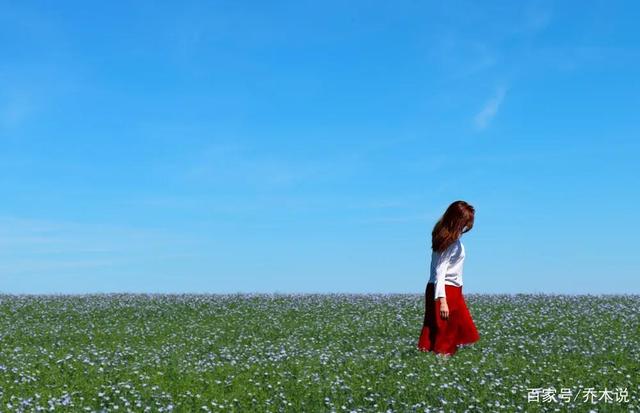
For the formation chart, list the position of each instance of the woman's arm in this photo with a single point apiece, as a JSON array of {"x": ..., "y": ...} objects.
[
  {"x": 441, "y": 270},
  {"x": 441, "y": 267}
]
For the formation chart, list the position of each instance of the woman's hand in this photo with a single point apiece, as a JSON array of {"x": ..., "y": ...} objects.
[{"x": 444, "y": 309}]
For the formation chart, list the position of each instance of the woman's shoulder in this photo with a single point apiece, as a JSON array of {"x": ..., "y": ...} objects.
[{"x": 453, "y": 247}]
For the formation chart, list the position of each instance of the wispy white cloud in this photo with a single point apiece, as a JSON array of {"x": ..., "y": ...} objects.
[
  {"x": 45, "y": 70},
  {"x": 15, "y": 110},
  {"x": 29, "y": 246},
  {"x": 422, "y": 217},
  {"x": 537, "y": 16},
  {"x": 239, "y": 164},
  {"x": 490, "y": 109}
]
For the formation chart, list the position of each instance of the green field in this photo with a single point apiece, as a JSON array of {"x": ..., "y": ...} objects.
[{"x": 308, "y": 353}]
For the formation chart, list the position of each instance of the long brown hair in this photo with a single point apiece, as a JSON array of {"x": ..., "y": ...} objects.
[{"x": 457, "y": 219}]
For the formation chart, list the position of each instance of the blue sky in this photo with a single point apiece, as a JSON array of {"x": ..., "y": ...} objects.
[{"x": 310, "y": 146}]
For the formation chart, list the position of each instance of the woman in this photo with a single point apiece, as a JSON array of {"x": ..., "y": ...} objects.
[{"x": 447, "y": 322}]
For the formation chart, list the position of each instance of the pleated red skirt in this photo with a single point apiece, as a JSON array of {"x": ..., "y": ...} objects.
[{"x": 444, "y": 336}]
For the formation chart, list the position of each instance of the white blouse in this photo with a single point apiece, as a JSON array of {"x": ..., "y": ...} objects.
[{"x": 446, "y": 267}]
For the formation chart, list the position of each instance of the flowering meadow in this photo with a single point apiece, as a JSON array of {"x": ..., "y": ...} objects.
[{"x": 314, "y": 353}]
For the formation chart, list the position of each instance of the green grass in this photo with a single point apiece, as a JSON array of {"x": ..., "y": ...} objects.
[{"x": 292, "y": 353}]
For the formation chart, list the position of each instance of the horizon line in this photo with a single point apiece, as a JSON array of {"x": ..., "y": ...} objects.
[{"x": 305, "y": 293}]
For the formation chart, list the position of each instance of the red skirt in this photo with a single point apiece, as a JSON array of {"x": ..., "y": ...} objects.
[{"x": 444, "y": 336}]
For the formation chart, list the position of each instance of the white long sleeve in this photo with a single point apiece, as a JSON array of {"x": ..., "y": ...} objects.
[{"x": 446, "y": 268}]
